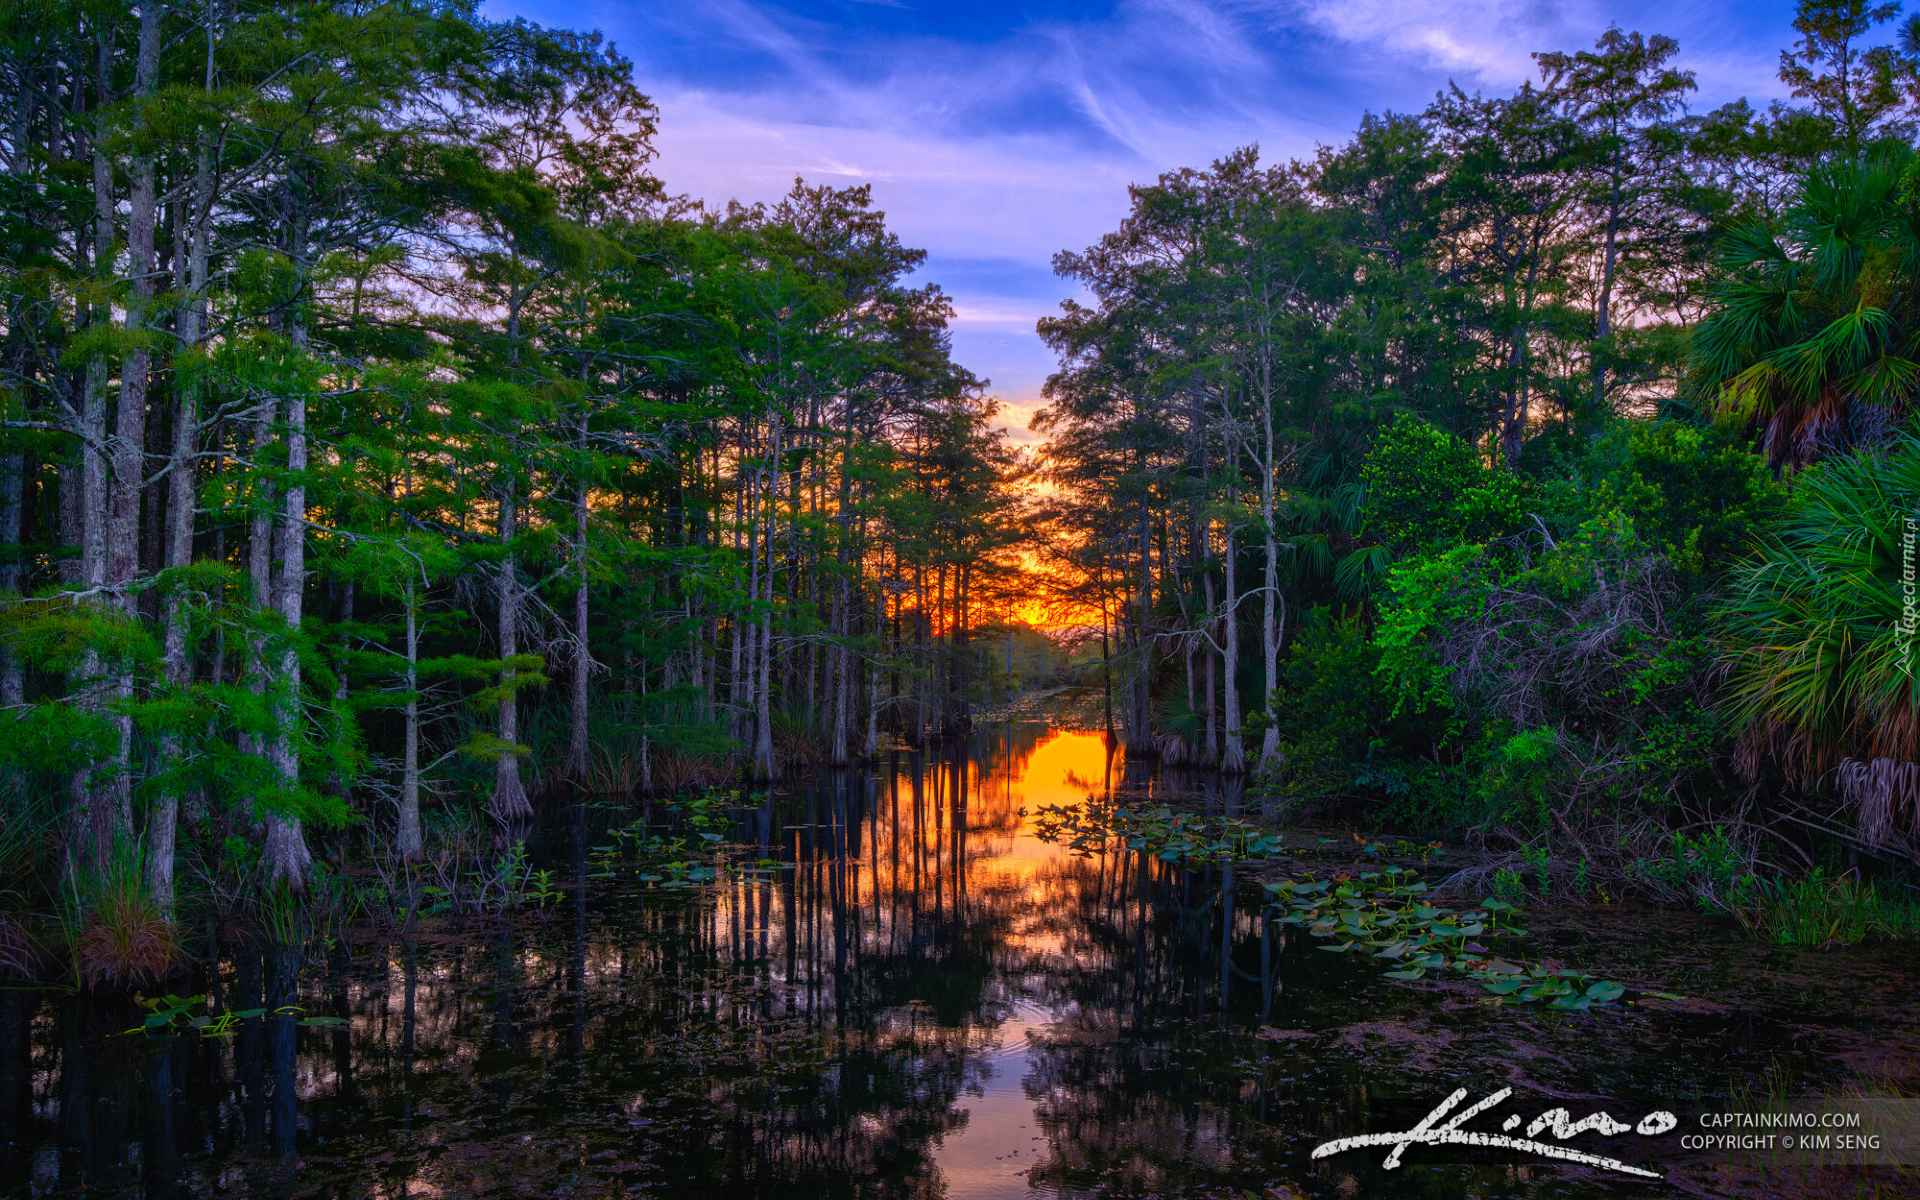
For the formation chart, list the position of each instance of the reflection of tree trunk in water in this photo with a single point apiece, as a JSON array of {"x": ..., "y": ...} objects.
[
  {"x": 160, "y": 1067},
  {"x": 1141, "y": 965},
  {"x": 789, "y": 889},
  {"x": 837, "y": 888},
  {"x": 506, "y": 1034},
  {"x": 1267, "y": 987},
  {"x": 250, "y": 1050},
  {"x": 763, "y": 829},
  {"x": 577, "y": 951},
  {"x": 283, "y": 970},
  {"x": 1134, "y": 772},
  {"x": 937, "y": 810},
  {"x": 409, "y": 1008},
  {"x": 1233, "y": 791},
  {"x": 856, "y": 815},
  {"x": 893, "y": 854},
  {"x": 1226, "y": 937},
  {"x": 915, "y": 778},
  {"x": 75, "y": 1121},
  {"x": 962, "y": 760},
  {"x": 16, "y": 1082},
  {"x": 341, "y": 1003}
]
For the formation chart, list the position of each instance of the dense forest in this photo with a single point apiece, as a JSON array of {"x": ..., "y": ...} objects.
[
  {"x": 1536, "y": 467},
  {"x": 382, "y": 437},
  {"x": 386, "y": 449}
]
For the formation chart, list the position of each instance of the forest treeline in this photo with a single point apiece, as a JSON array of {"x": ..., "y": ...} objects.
[
  {"x": 1533, "y": 466},
  {"x": 384, "y": 443}
]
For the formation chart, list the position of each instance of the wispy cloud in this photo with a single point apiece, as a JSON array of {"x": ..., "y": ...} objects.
[{"x": 995, "y": 134}]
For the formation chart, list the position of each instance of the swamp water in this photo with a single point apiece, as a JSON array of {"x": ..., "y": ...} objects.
[{"x": 925, "y": 1000}]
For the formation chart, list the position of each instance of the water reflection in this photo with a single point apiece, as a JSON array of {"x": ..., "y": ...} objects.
[{"x": 922, "y": 1000}]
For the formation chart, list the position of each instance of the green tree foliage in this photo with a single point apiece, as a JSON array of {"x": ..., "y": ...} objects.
[
  {"x": 1492, "y": 407},
  {"x": 1821, "y": 631},
  {"x": 381, "y": 439},
  {"x": 1810, "y": 335}
]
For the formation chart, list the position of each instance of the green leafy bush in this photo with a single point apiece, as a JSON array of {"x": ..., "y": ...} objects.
[{"x": 1425, "y": 487}]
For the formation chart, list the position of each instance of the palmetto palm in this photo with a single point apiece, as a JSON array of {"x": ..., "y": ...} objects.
[
  {"x": 1813, "y": 335},
  {"x": 1821, "y": 636}
]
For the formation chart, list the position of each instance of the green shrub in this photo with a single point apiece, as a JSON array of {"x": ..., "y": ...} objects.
[
  {"x": 1695, "y": 494},
  {"x": 1711, "y": 867},
  {"x": 1426, "y": 487}
]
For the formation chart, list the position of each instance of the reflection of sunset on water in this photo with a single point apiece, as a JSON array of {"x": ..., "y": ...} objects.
[{"x": 899, "y": 993}]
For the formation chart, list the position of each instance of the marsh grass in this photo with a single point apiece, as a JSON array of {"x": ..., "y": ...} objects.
[
  {"x": 124, "y": 941},
  {"x": 1818, "y": 910},
  {"x": 16, "y": 951}
]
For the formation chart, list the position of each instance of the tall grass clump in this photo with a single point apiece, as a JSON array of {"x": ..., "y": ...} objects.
[
  {"x": 124, "y": 941},
  {"x": 1818, "y": 910}
]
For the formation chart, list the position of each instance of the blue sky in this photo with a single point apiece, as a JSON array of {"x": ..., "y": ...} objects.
[{"x": 996, "y": 134}]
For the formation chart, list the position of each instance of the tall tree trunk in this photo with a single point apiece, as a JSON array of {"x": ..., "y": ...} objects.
[
  {"x": 1141, "y": 631},
  {"x": 1210, "y": 749},
  {"x": 128, "y": 452},
  {"x": 1233, "y": 757},
  {"x": 1603, "y": 308},
  {"x": 287, "y": 858},
  {"x": 182, "y": 503},
  {"x": 13, "y": 679},
  {"x": 870, "y": 748},
  {"x": 842, "y": 667},
  {"x": 737, "y": 698},
  {"x": 1106, "y": 666},
  {"x": 95, "y": 822},
  {"x": 923, "y": 635},
  {"x": 577, "y": 746},
  {"x": 260, "y": 555},
  {"x": 509, "y": 804},
  {"x": 407, "y": 840},
  {"x": 1269, "y": 624},
  {"x": 763, "y": 757},
  {"x": 13, "y": 464}
]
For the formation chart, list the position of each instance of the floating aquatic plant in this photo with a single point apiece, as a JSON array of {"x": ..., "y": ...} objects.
[
  {"x": 1385, "y": 915},
  {"x": 169, "y": 1015},
  {"x": 1170, "y": 834},
  {"x": 684, "y": 855}
]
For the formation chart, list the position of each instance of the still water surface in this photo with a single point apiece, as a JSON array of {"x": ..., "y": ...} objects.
[{"x": 925, "y": 1001}]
